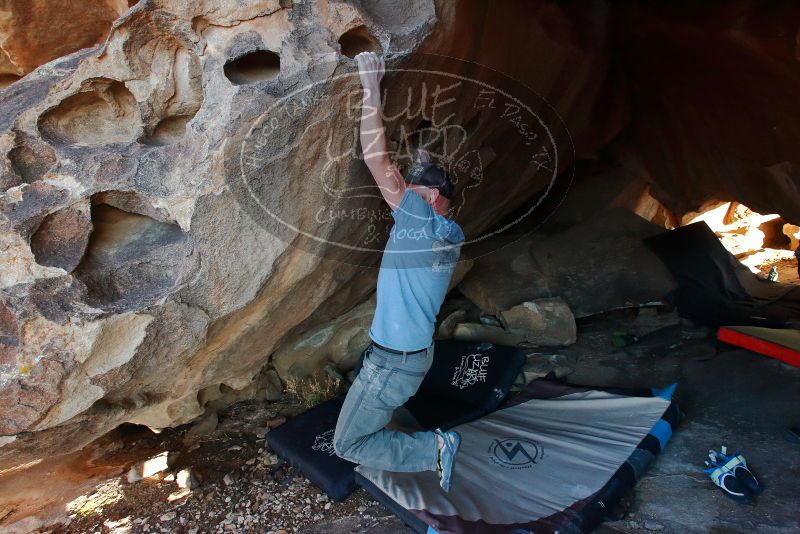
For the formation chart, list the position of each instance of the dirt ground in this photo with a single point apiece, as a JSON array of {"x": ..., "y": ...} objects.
[{"x": 240, "y": 486}]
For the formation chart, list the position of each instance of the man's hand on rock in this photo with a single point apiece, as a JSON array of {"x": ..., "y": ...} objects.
[{"x": 370, "y": 70}]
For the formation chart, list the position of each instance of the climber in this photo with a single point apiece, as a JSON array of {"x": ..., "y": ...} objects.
[{"x": 418, "y": 262}]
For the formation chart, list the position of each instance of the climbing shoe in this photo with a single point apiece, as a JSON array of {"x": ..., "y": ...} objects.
[{"x": 732, "y": 475}]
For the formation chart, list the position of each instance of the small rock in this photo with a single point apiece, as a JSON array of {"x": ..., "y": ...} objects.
[
  {"x": 327, "y": 506},
  {"x": 273, "y": 386},
  {"x": 178, "y": 495},
  {"x": 186, "y": 479},
  {"x": 134, "y": 474},
  {"x": 448, "y": 325},
  {"x": 147, "y": 468},
  {"x": 273, "y": 423},
  {"x": 545, "y": 322},
  {"x": 652, "y": 525},
  {"x": 227, "y": 479},
  {"x": 169, "y": 516}
]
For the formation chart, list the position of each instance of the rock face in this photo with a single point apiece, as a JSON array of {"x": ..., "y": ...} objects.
[
  {"x": 340, "y": 341},
  {"x": 594, "y": 266},
  {"x": 718, "y": 137},
  {"x": 33, "y": 32},
  {"x": 138, "y": 284}
]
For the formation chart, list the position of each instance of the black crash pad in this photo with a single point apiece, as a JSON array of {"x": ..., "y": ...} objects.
[
  {"x": 306, "y": 442},
  {"x": 466, "y": 381}
]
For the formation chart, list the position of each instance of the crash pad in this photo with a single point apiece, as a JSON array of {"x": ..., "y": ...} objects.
[
  {"x": 306, "y": 443},
  {"x": 467, "y": 380},
  {"x": 555, "y": 458},
  {"x": 780, "y": 343}
]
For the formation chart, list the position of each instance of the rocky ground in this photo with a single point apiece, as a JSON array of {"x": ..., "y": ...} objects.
[{"x": 225, "y": 481}]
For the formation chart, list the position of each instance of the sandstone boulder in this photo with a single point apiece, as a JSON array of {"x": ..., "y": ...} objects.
[
  {"x": 546, "y": 322},
  {"x": 595, "y": 266},
  {"x": 340, "y": 342}
]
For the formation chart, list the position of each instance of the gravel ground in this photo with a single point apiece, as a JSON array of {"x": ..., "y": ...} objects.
[{"x": 235, "y": 484}]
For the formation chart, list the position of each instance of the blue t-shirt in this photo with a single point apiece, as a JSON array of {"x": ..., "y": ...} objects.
[{"x": 418, "y": 262}]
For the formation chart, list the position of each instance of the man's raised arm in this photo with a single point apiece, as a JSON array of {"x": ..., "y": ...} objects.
[{"x": 373, "y": 136}]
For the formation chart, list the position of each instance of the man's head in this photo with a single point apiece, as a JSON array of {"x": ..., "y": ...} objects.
[{"x": 432, "y": 183}]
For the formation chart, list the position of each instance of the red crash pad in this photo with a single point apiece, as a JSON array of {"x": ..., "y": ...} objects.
[{"x": 780, "y": 343}]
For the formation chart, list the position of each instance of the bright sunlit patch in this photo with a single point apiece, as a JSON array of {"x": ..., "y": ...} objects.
[
  {"x": 154, "y": 465},
  {"x": 104, "y": 495}
]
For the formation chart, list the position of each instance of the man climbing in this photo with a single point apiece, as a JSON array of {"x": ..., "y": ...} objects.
[{"x": 417, "y": 264}]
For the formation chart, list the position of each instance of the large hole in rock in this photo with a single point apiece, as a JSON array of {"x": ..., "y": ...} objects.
[
  {"x": 132, "y": 260},
  {"x": 105, "y": 114},
  {"x": 253, "y": 67},
  {"x": 168, "y": 131},
  {"x": 357, "y": 40}
]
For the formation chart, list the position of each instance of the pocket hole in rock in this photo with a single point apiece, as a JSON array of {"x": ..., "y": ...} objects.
[
  {"x": 131, "y": 260},
  {"x": 357, "y": 40},
  {"x": 253, "y": 67},
  {"x": 106, "y": 114},
  {"x": 168, "y": 131},
  {"x": 62, "y": 237}
]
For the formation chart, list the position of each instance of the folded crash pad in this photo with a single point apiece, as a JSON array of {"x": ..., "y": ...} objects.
[
  {"x": 779, "y": 343},
  {"x": 556, "y": 458},
  {"x": 467, "y": 380},
  {"x": 306, "y": 442},
  {"x": 715, "y": 289}
]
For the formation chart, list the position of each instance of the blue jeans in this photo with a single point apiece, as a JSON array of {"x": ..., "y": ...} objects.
[{"x": 385, "y": 382}]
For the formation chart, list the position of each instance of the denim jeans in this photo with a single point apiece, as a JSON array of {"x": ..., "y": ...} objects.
[{"x": 385, "y": 382}]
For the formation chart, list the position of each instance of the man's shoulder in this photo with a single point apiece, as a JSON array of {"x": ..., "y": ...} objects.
[{"x": 412, "y": 207}]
